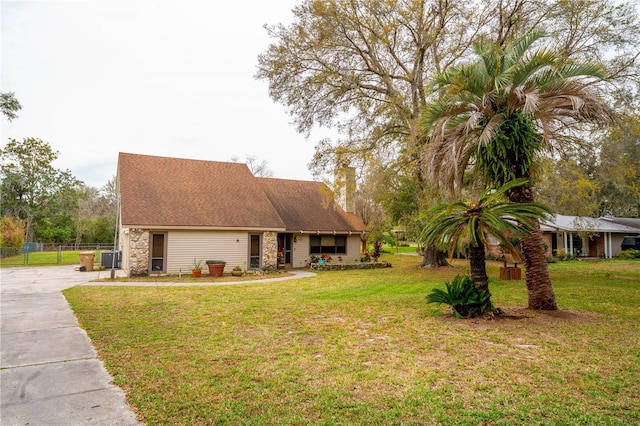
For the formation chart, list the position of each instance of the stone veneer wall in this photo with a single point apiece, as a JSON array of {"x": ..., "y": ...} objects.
[
  {"x": 138, "y": 252},
  {"x": 270, "y": 250}
]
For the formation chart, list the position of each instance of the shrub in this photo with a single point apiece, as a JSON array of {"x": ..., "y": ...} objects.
[
  {"x": 563, "y": 254},
  {"x": 462, "y": 296},
  {"x": 630, "y": 254},
  {"x": 12, "y": 232}
]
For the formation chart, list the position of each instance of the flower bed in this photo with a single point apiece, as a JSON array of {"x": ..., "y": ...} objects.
[{"x": 348, "y": 266}]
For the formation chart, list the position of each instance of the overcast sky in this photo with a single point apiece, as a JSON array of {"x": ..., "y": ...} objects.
[{"x": 158, "y": 77}]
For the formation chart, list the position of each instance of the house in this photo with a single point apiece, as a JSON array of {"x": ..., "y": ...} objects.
[
  {"x": 175, "y": 210},
  {"x": 587, "y": 236},
  {"x": 580, "y": 235}
]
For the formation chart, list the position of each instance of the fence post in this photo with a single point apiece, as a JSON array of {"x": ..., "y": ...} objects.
[
  {"x": 25, "y": 257},
  {"x": 59, "y": 255}
]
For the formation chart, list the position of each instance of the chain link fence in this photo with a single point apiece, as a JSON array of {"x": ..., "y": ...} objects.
[{"x": 49, "y": 254}]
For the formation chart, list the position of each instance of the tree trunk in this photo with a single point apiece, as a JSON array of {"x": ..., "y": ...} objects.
[
  {"x": 434, "y": 258},
  {"x": 541, "y": 296},
  {"x": 478, "y": 268},
  {"x": 538, "y": 280},
  {"x": 29, "y": 232}
]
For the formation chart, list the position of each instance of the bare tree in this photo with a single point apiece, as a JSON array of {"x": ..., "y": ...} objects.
[{"x": 257, "y": 167}]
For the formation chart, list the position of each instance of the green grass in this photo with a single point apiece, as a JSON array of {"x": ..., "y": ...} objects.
[
  {"x": 412, "y": 248},
  {"x": 47, "y": 258},
  {"x": 364, "y": 347}
]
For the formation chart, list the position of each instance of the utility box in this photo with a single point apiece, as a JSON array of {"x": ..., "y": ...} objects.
[
  {"x": 86, "y": 260},
  {"x": 108, "y": 261}
]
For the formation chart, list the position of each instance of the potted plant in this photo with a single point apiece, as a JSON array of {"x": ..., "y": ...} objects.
[
  {"x": 196, "y": 269},
  {"x": 237, "y": 271},
  {"x": 216, "y": 267}
]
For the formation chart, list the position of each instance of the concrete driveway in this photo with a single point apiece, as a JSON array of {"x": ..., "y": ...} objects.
[{"x": 49, "y": 372}]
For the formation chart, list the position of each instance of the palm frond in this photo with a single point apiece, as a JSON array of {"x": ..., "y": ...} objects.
[
  {"x": 447, "y": 226},
  {"x": 515, "y": 50},
  {"x": 584, "y": 70},
  {"x": 490, "y": 129},
  {"x": 489, "y": 54},
  {"x": 515, "y": 84},
  {"x": 535, "y": 64}
]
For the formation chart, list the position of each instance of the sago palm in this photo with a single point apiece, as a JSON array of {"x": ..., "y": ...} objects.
[
  {"x": 450, "y": 226},
  {"x": 497, "y": 115}
]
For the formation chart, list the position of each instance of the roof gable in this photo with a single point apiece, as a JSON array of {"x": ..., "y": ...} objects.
[
  {"x": 163, "y": 191},
  {"x": 309, "y": 206}
]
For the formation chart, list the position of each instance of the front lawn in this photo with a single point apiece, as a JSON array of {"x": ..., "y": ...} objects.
[{"x": 363, "y": 347}]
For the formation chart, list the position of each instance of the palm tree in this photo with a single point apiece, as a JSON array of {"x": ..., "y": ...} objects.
[
  {"x": 498, "y": 115},
  {"x": 450, "y": 226}
]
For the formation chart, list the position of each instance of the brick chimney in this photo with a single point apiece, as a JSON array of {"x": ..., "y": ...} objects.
[{"x": 345, "y": 185}]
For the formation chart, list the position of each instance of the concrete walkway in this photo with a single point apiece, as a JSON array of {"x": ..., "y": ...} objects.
[{"x": 49, "y": 371}]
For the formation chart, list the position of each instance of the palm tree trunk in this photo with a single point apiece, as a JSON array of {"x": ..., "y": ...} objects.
[
  {"x": 541, "y": 296},
  {"x": 478, "y": 268},
  {"x": 538, "y": 280}
]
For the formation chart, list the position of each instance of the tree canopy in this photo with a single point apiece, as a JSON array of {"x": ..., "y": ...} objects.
[
  {"x": 501, "y": 110},
  {"x": 9, "y": 105},
  {"x": 35, "y": 191},
  {"x": 361, "y": 67}
]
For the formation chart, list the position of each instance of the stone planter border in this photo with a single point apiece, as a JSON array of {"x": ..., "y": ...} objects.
[{"x": 349, "y": 266}]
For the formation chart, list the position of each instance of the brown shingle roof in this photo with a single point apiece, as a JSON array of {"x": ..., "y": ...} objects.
[
  {"x": 308, "y": 206},
  {"x": 162, "y": 191}
]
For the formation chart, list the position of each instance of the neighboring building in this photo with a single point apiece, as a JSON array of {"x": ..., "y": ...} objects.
[
  {"x": 175, "y": 210},
  {"x": 587, "y": 236},
  {"x": 626, "y": 221},
  {"x": 582, "y": 236}
]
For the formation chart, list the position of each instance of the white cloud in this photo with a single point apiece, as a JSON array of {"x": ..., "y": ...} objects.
[{"x": 171, "y": 78}]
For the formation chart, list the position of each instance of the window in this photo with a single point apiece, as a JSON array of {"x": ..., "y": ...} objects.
[{"x": 330, "y": 244}]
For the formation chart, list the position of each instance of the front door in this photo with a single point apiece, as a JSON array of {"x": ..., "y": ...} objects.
[
  {"x": 255, "y": 251},
  {"x": 284, "y": 250},
  {"x": 593, "y": 247}
]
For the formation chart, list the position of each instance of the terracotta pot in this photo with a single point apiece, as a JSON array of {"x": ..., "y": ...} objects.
[
  {"x": 197, "y": 273},
  {"x": 216, "y": 269}
]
